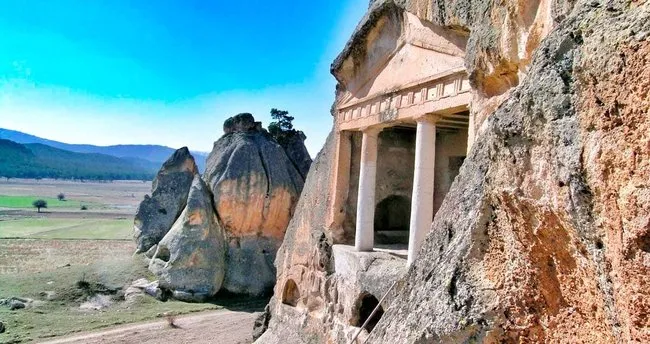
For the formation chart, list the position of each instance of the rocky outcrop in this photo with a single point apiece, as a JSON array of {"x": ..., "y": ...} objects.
[
  {"x": 543, "y": 236},
  {"x": 169, "y": 190},
  {"x": 190, "y": 259},
  {"x": 255, "y": 188},
  {"x": 222, "y": 231}
]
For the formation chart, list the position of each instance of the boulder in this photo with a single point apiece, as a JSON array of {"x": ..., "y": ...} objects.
[
  {"x": 190, "y": 259},
  {"x": 241, "y": 123},
  {"x": 156, "y": 214},
  {"x": 16, "y": 304},
  {"x": 2, "y": 327},
  {"x": 255, "y": 187}
]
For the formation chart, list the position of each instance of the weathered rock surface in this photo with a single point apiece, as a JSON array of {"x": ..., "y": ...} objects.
[
  {"x": 157, "y": 214},
  {"x": 242, "y": 122},
  {"x": 223, "y": 231},
  {"x": 190, "y": 259},
  {"x": 255, "y": 187},
  {"x": 297, "y": 152},
  {"x": 548, "y": 218},
  {"x": 543, "y": 236},
  {"x": 16, "y": 303}
]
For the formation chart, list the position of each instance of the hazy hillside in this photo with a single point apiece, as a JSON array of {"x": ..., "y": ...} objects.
[
  {"x": 139, "y": 154},
  {"x": 41, "y": 161}
]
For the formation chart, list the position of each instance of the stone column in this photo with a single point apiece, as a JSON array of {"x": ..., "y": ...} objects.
[
  {"x": 364, "y": 239},
  {"x": 422, "y": 199}
]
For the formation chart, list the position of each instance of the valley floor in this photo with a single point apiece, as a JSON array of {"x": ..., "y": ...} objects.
[{"x": 73, "y": 265}]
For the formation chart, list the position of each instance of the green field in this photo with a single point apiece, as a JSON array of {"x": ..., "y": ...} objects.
[
  {"x": 68, "y": 228},
  {"x": 20, "y": 202}
]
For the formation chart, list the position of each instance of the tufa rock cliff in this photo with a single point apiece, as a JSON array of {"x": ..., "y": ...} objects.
[
  {"x": 220, "y": 231},
  {"x": 544, "y": 234}
]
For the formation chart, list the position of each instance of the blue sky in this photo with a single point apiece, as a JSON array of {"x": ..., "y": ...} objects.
[{"x": 167, "y": 72}]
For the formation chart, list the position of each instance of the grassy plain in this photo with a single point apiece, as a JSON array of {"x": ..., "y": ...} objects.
[{"x": 45, "y": 257}]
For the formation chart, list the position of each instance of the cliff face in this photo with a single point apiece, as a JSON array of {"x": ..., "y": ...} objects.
[
  {"x": 502, "y": 39},
  {"x": 544, "y": 235}
]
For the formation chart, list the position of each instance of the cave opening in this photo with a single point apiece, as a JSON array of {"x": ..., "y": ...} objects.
[{"x": 366, "y": 304}]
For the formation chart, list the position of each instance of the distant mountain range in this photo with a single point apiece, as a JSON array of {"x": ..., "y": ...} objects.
[
  {"x": 35, "y": 160},
  {"x": 144, "y": 156}
]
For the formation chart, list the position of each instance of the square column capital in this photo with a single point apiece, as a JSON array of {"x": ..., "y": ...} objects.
[
  {"x": 372, "y": 130},
  {"x": 429, "y": 118}
]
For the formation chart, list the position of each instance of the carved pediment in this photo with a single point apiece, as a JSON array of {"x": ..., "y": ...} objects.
[{"x": 399, "y": 51}]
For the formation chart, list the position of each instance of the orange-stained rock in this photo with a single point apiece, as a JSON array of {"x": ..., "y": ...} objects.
[
  {"x": 255, "y": 188},
  {"x": 615, "y": 127}
]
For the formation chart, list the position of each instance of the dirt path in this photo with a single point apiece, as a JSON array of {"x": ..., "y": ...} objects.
[{"x": 222, "y": 326}]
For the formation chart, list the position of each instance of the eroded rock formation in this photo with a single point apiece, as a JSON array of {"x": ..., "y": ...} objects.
[
  {"x": 190, "y": 259},
  {"x": 224, "y": 229},
  {"x": 543, "y": 236},
  {"x": 255, "y": 188},
  {"x": 157, "y": 213}
]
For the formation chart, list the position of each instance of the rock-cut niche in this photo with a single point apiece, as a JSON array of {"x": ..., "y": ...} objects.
[{"x": 290, "y": 294}]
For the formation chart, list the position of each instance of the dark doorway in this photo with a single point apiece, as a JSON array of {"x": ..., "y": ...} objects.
[
  {"x": 367, "y": 304},
  {"x": 392, "y": 216}
]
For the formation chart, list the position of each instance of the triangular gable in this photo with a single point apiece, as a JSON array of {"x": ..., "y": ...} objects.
[{"x": 398, "y": 55}]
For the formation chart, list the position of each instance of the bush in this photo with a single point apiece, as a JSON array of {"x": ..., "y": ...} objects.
[
  {"x": 83, "y": 207},
  {"x": 60, "y": 197}
]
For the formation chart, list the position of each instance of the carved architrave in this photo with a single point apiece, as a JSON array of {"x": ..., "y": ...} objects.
[{"x": 422, "y": 73}]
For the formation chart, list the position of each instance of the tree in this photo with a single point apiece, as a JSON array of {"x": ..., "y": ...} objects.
[
  {"x": 281, "y": 129},
  {"x": 39, "y": 203},
  {"x": 60, "y": 197}
]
